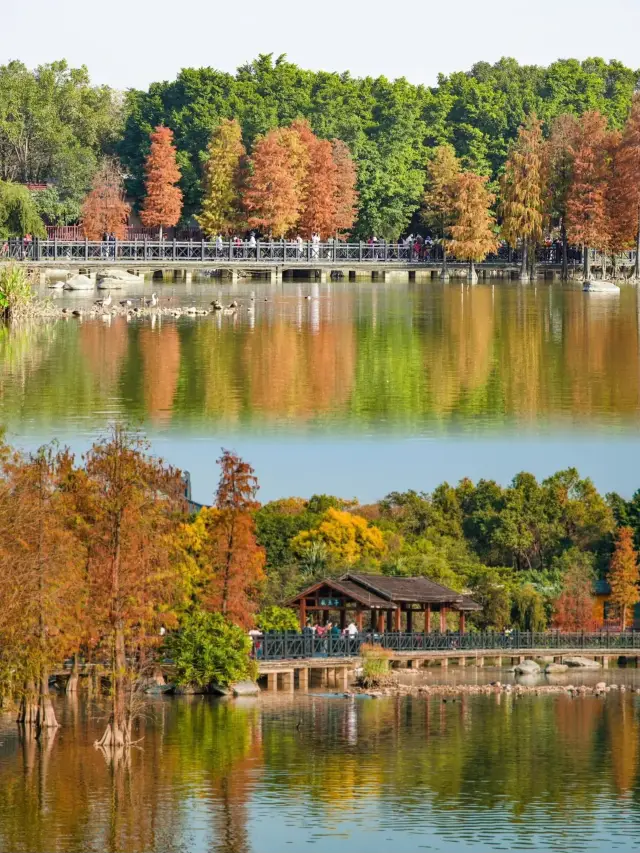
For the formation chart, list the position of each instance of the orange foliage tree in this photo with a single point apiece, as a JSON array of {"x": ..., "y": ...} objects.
[
  {"x": 346, "y": 197},
  {"x": 131, "y": 506},
  {"x": 41, "y": 578},
  {"x": 104, "y": 209},
  {"x": 623, "y": 573},
  {"x": 472, "y": 235},
  {"x": 574, "y": 608},
  {"x": 320, "y": 188},
  {"x": 274, "y": 196},
  {"x": 586, "y": 204},
  {"x": 558, "y": 175},
  {"x": 627, "y": 167},
  {"x": 162, "y": 204},
  {"x": 222, "y": 563}
]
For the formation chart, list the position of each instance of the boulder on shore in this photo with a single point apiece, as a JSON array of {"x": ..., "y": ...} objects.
[
  {"x": 112, "y": 283},
  {"x": 245, "y": 688},
  {"x": 122, "y": 275},
  {"x": 556, "y": 667},
  {"x": 527, "y": 667},
  {"x": 585, "y": 663},
  {"x": 80, "y": 282}
]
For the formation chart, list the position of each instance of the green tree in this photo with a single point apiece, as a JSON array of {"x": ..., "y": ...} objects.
[
  {"x": 279, "y": 619},
  {"x": 208, "y": 649},
  {"x": 18, "y": 212}
]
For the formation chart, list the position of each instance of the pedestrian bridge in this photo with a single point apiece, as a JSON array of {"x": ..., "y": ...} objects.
[
  {"x": 255, "y": 257},
  {"x": 292, "y": 660}
]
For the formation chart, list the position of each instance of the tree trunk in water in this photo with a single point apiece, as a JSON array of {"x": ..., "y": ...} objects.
[
  {"x": 118, "y": 732},
  {"x": 46, "y": 714},
  {"x": 444, "y": 275},
  {"x": 72, "y": 683},
  {"x": 473, "y": 275},
  {"x": 586, "y": 268},
  {"x": 28, "y": 711},
  {"x": 524, "y": 271},
  {"x": 565, "y": 255}
]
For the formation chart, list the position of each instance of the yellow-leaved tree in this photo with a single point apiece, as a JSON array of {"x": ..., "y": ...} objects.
[{"x": 347, "y": 538}]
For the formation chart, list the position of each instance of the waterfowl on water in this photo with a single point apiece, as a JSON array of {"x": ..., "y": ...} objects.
[
  {"x": 125, "y": 303},
  {"x": 151, "y": 303},
  {"x": 103, "y": 303},
  {"x": 216, "y": 305}
]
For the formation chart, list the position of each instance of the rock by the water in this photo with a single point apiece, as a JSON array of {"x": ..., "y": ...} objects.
[
  {"x": 80, "y": 282},
  {"x": 245, "y": 688},
  {"x": 579, "y": 661},
  {"x": 112, "y": 283},
  {"x": 527, "y": 667},
  {"x": 54, "y": 272},
  {"x": 556, "y": 667},
  {"x": 600, "y": 286},
  {"x": 121, "y": 275}
]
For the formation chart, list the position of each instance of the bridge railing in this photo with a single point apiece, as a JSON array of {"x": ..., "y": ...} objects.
[
  {"x": 290, "y": 645},
  {"x": 258, "y": 252}
]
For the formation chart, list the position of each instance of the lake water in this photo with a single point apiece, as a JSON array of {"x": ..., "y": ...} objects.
[
  {"x": 332, "y": 774},
  {"x": 347, "y": 388}
]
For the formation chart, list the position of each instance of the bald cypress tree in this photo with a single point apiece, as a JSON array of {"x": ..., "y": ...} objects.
[
  {"x": 438, "y": 203},
  {"x": 223, "y": 177},
  {"x": 522, "y": 202},
  {"x": 627, "y": 180},
  {"x": 472, "y": 235}
]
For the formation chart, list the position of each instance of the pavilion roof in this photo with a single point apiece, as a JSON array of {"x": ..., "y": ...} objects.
[{"x": 382, "y": 591}]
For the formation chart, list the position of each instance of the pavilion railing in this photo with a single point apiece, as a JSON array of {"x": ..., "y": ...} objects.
[
  {"x": 261, "y": 252},
  {"x": 290, "y": 645}
]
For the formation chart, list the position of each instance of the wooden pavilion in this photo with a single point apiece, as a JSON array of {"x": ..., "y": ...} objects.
[{"x": 393, "y": 603}]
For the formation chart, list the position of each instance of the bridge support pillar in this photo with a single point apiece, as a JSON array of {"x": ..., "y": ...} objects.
[
  {"x": 444, "y": 662},
  {"x": 605, "y": 661},
  {"x": 234, "y": 277},
  {"x": 287, "y": 681},
  {"x": 323, "y": 677},
  {"x": 303, "y": 679},
  {"x": 323, "y": 276},
  {"x": 272, "y": 681},
  {"x": 331, "y": 677},
  {"x": 342, "y": 676},
  {"x": 479, "y": 661},
  {"x": 188, "y": 276}
]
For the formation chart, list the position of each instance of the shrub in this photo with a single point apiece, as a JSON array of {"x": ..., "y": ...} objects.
[
  {"x": 208, "y": 649},
  {"x": 16, "y": 294},
  {"x": 276, "y": 618},
  {"x": 376, "y": 671}
]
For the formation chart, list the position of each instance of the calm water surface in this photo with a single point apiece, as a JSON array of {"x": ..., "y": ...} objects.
[
  {"x": 321, "y": 386},
  {"x": 396, "y": 774}
]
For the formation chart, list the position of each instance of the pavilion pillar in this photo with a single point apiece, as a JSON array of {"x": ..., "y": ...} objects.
[
  {"x": 443, "y": 619},
  {"x": 397, "y": 613},
  {"x": 343, "y": 619},
  {"x": 462, "y": 621},
  {"x": 325, "y": 617},
  {"x": 380, "y": 621},
  {"x": 409, "y": 621},
  {"x": 427, "y": 618},
  {"x": 389, "y": 620},
  {"x": 359, "y": 615},
  {"x": 303, "y": 613}
]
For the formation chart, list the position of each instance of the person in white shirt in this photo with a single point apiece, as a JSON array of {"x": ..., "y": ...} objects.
[{"x": 352, "y": 629}]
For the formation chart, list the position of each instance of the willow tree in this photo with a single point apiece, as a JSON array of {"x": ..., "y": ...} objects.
[
  {"x": 627, "y": 181},
  {"x": 438, "y": 202},
  {"x": 472, "y": 234},
  {"x": 132, "y": 506},
  {"x": 223, "y": 178},
  {"x": 522, "y": 201},
  {"x": 586, "y": 203},
  {"x": 558, "y": 176}
]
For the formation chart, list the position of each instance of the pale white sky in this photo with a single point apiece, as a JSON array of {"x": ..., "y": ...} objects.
[{"x": 130, "y": 43}]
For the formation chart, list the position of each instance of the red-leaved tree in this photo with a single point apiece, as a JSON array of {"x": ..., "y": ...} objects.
[
  {"x": 346, "y": 193},
  {"x": 104, "y": 210},
  {"x": 320, "y": 189},
  {"x": 162, "y": 204}
]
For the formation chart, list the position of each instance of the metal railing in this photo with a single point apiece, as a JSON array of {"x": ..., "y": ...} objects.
[
  {"x": 258, "y": 252},
  {"x": 290, "y": 645}
]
